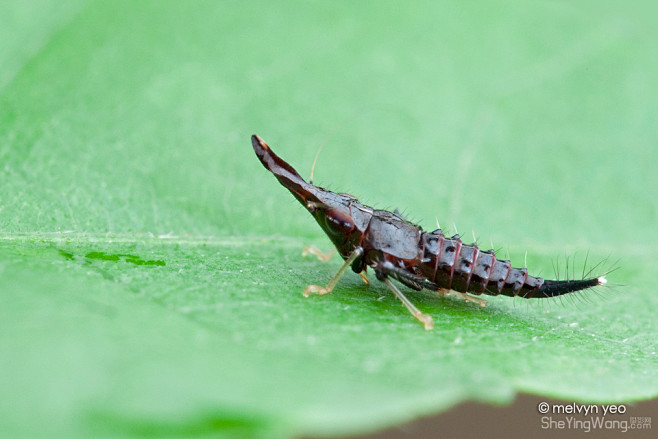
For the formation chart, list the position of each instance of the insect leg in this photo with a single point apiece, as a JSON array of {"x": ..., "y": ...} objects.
[
  {"x": 425, "y": 319},
  {"x": 324, "y": 257},
  {"x": 332, "y": 283},
  {"x": 313, "y": 250},
  {"x": 386, "y": 268},
  {"x": 444, "y": 292},
  {"x": 417, "y": 283},
  {"x": 466, "y": 297}
]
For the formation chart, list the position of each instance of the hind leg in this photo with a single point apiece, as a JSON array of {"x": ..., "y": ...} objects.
[
  {"x": 466, "y": 297},
  {"x": 444, "y": 292}
]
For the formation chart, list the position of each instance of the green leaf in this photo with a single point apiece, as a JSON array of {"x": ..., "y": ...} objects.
[{"x": 151, "y": 269}]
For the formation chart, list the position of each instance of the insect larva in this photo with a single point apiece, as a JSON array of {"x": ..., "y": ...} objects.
[{"x": 398, "y": 249}]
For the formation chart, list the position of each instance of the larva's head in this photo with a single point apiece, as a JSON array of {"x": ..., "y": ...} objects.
[
  {"x": 285, "y": 173},
  {"x": 331, "y": 210}
]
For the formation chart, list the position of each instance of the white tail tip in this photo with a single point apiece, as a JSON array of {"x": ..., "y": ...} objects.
[{"x": 602, "y": 280}]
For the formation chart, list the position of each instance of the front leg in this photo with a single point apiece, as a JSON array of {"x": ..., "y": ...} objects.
[
  {"x": 313, "y": 250},
  {"x": 334, "y": 280}
]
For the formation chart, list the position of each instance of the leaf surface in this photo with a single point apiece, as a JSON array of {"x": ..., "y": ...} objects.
[{"x": 151, "y": 269}]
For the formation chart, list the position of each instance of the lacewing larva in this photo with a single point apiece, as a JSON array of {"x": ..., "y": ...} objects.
[{"x": 398, "y": 249}]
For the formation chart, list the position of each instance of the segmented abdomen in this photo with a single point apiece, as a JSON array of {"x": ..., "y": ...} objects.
[{"x": 451, "y": 264}]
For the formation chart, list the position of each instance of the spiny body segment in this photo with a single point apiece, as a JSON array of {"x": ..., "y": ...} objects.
[{"x": 396, "y": 248}]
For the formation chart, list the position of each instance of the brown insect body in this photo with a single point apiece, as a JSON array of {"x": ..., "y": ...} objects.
[{"x": 397, "y": 248}]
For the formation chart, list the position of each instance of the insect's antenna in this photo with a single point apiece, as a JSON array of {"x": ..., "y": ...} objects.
[{"x": 317, "y": 154}]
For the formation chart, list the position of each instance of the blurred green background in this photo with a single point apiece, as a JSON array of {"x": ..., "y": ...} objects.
[{"x": 151, "y": 269}]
